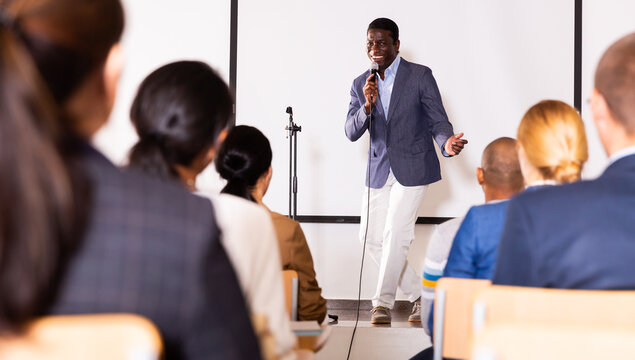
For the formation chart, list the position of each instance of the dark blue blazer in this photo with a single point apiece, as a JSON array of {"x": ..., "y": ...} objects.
[
  {"x": 151, "y": 248},
  {"x": 577, "y": 236},
  {"x": 402, "y": 139}
]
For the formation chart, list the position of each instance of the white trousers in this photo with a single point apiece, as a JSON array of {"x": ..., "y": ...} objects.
[{"x": 393, "y": 213}]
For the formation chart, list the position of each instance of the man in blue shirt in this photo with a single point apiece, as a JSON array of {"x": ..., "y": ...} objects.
[
  {"x": 469, "y": 251},
  {"x": 473, "y": 252}
]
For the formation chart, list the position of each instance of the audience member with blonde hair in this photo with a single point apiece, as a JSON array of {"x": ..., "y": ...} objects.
[
  {"x": 552, "y": 144},
  {"x": 581, "y": 235},
  {"x": 77, "y": 234}
]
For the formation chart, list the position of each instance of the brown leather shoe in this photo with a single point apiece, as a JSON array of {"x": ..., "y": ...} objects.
[
  {"x": 415, "y": 315},
  {"x": 380, "y": 315}
]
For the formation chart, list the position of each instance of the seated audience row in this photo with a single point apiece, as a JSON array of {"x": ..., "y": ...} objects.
[
  {"x": 99, "y": 239},
  {"x": 577, "y": 235},
  {"x": 551, "y": 150},
  {"x": 580, "y": 236}
]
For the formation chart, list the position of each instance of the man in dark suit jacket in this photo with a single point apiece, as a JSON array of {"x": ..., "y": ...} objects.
[
  {"x": 153, "y": 249},
  {"x": 582, "y": 235},
  {"x": 407, "y": 113}
]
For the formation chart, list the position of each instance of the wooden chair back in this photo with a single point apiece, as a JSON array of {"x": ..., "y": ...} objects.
[
  {"x": 74, "y": 337},
  {"x": 500, "y": 303},
  {"x": 291, "y": 288},
  {"x": 453, "y": 316},
  {"x": 553, "y": 323},
  {"x": 516, "y": 341}
]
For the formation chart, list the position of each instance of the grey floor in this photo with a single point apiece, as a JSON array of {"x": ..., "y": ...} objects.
[{"x": 399, "y": 340}]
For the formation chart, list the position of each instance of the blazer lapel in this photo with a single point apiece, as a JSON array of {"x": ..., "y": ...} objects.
[{"x": 403, "y": 73}]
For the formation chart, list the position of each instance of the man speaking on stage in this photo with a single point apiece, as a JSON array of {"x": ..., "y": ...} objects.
[{"x": 405, "y": 106}]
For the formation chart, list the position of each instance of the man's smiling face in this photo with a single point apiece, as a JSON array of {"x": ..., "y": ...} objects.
[{"x": 381, "y": 48}]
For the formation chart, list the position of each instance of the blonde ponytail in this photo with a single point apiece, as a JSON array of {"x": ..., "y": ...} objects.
[{"x": 552, "y": 135}]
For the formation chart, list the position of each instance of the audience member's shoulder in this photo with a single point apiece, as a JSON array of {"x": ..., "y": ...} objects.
[
  {"x": 131, "y": 189},
  {"x": 485, "y": 210},
  {"x": 451, "y": 224},
  {"x": 160, "y": 188},
  {"x": 282, "y": 218},
  {"x": 556, "y": 196},
  {"x": 237, "y": 205},
  {"x": 283, "y": 221},
  {"x": 447, "y": 229}
]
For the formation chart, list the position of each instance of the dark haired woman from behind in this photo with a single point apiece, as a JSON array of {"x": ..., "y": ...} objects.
[
  {"x": 179, "y": 111},
  {"x": 244, "y": 160},
  {"x": 78, "y": 235}
]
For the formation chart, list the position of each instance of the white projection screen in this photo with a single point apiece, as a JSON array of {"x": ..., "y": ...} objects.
[
  {"x": 158, "y": 32},
  {"x": 492, "y": 59}
]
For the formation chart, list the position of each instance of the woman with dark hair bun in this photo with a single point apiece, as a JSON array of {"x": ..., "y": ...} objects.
[
  {"x": 181, "y": 112},
  {"x": 77, "y": 234},
  {"x": 244, "y": 160}
]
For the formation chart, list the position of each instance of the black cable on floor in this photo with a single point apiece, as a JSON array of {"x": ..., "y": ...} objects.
[{"x": 359, "y": 290}]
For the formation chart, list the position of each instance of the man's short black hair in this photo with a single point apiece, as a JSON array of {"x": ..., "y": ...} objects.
[{"x": 385, "y": 24}]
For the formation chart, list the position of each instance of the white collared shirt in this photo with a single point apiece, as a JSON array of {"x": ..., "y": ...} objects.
[
  {"x": 541, "y": 183},
  {"x": 621, "y": 154}
]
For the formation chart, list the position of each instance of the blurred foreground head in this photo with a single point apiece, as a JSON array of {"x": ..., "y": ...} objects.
[{"x": 59, "y": 66}]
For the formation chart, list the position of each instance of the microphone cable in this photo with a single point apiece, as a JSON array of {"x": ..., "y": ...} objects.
[{"x": 361, "y": 269}]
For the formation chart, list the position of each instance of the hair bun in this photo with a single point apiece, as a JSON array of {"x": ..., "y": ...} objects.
[
  {"x": 568, "y": 171},
  {"x": 242, "y": 159},
  {"x": 234, "y": 166}
]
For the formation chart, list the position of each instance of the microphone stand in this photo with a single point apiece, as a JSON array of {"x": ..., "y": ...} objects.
[{"x": 292, "y": 128}]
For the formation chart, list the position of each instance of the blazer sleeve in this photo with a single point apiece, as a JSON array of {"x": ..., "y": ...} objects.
[
  {"x": 461, "y": 260},
  {"x": 311, "y": 304},
  {"x": 514, "y": 265},
  {"x": 439, "y": 125},
  {"x": 356, "y": 120}
]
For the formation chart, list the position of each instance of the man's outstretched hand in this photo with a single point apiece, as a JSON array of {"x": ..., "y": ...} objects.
[{"x": 455, "y": 144}]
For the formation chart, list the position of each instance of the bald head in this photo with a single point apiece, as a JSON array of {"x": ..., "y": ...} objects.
[
  {"x": 615, "y": 81},
  {"x": 500, "y": 169}
]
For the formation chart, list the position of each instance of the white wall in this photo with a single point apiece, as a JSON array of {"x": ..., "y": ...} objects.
[
  {"x": 156, "y": 33},
  {"x": 492, "y": 60}
]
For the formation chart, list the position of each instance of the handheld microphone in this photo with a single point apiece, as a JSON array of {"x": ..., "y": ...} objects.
[{"x": 374, "y": 69}]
